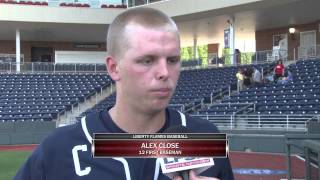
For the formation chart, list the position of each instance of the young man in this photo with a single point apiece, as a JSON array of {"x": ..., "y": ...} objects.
[
  {"x": 240, "y": 78},
  {"x": 257, "y": 78},
  {"x": 144, "y": 60},
  {"x": 278, "y": 71}
]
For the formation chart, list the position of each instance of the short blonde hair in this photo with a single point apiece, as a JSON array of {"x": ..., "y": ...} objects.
[{"x": 117, "y": 40}]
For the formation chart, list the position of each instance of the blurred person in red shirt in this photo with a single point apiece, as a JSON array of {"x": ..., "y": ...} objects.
[{"x": 278, "y": 71}]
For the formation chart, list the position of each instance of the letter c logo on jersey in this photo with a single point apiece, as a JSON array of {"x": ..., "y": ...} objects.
[{"x": 76, "y": 161}]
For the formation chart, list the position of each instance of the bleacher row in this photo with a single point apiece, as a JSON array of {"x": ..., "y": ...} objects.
[
  {"x": 53, "y": 67},
  {"x": 205, "y": 84},
  {"x": 37, "y": 3},
  {"x": 66, "y": 67},
  {"x": 45, "y": 96},
  {"x": 195, "y": 87},
  {"x": 63, "y": 4},
  {"x": 301, "y": 96},
  {"x": 87, "y": 5}
]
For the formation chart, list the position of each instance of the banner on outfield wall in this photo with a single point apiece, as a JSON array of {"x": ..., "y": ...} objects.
[{"x": 95, "y": 57}]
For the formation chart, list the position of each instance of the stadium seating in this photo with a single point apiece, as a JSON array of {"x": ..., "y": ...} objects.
[
  {"x": 38, "y": 3},
  {"x": 195, "y": 87},
  {"x": 301, "y": 96},
  {"x": 104, "y": 6},
  {"x": 62, "y": 4},
  {"x": 74, "y": 5},
  {"x": 9, "y": 2},
  {"x": 58, "y": 67},
  {"x": 44, "y": 96},
  {"x": 113, "y": 6}
]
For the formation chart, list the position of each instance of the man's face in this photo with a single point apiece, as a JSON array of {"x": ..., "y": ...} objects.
[{"x": 149, "y": 69}]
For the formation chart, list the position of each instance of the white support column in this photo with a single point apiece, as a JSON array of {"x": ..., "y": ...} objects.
[
  {"x": 232, "y": 28},
  {"x": 195, "y": 50},
  {"x": 18, "y": 49}
]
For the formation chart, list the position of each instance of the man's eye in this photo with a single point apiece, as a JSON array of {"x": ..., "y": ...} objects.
[
  {"x": 146, "y": 61},
  {"x": 173, "y": 60}
]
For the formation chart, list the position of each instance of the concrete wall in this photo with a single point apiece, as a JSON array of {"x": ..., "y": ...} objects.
[
  {"x": 256, "y": 143},
  {"x": 259, "y": 141},
  {"x": 185, "y": 7},
  {"x": 213, "y": 48},
  {"x": 24, "y": 132},
  {"x": 9, "y": 47},
  {"x": 80, "y": 56},
  {"x": 57, "y": 14},
  {"x": 105, "y": 16},
  {"x": 264, "y": 38}
]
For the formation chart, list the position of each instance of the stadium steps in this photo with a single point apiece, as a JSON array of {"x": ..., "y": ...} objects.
[{"x": 70, "y": 117}]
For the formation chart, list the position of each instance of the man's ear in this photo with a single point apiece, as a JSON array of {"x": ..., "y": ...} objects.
[{"x": 112, "y": 67}]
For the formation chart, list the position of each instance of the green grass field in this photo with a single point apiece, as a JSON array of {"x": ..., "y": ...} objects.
[{"x": 10, "y": 162}]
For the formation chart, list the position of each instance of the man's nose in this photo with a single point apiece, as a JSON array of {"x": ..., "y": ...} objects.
[{"x": 162, "y": 70}]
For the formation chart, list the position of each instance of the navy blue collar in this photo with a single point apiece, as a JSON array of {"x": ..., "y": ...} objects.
[{"x": 110, "y": 126}]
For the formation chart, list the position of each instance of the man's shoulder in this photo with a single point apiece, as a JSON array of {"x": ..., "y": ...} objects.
[
  {"x": 76, "y": 131},
  {"x": 63, "y": 136}
]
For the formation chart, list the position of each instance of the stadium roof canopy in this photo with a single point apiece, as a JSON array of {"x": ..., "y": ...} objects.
[{"x": 206, "y": 21}]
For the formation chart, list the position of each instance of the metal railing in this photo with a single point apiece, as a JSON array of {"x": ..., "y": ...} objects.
[
  {"x": 246, "y": 106},
  {"x": 307, "y": 52},
  {"x": 258, "y": 122},
  {"x": 8, "y": 64},
  {"x": 132, "y": 3},
  {"x": 303, "y": 144},
  {"x": 12, "y": 67},
  {"x": 258, "y": 57},
  {"x": 194, "y": 105},
  {"x": 10, "y": 57},
  {"x": 219, "y": 94}
]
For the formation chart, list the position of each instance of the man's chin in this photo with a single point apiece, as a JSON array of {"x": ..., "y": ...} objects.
[{"x": 160, "y": 105}]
